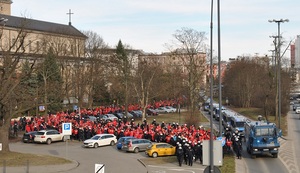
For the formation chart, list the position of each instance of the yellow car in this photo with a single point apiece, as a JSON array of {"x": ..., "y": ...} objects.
[{"x": 160, "y": 149}]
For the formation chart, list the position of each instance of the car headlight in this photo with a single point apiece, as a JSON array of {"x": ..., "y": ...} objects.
[
  {"x": 275, "y": 149},
  {"x": 255, "y": 149}
]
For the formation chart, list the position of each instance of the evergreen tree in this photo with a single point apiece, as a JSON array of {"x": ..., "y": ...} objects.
[{"x": 50, "y": 80}]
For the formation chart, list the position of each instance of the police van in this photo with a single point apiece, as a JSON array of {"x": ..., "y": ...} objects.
[
  {"x": 262, "y": 138},
  {"x": 226, "y": 118},
  {"x": 237, "y": 122}
]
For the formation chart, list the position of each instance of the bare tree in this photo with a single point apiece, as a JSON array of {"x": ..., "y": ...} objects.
[
  {"x": 12, "y": 101},
  {"x": 143, "y": 82},
  {"x": 192, "y": 56}
]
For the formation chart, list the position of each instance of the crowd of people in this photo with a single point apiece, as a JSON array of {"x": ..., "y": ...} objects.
[{"x": 187, "y": 139}]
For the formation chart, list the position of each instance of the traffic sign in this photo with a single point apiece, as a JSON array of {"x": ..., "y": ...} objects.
[
  {"x": 99, "y": 168},
  {"x": 67, "y": 128}
]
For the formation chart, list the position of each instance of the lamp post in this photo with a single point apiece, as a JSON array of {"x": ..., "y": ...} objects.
[{"x": 279, "y": 64}]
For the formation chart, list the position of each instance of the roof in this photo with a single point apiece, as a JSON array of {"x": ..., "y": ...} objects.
[
  {"x": 261, "y": 123},
  {"x": 42, "y": 26}
]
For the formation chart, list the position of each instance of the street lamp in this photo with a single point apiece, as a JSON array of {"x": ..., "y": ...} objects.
[{"x": 279, "y": 64}]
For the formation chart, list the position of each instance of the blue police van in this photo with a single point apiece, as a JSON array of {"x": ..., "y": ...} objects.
[{"x": 262, "y": 138}]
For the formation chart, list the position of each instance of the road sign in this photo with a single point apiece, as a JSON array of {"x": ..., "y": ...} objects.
[
  {"x": 67, "y": 128},
  {"x": 99, "y": 168}
]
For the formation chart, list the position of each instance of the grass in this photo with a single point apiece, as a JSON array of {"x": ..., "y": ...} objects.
[
  {"x": 21, "y": 159},
  {"x": 228, "y": 163},
  {"x": 174, "y": 117}
]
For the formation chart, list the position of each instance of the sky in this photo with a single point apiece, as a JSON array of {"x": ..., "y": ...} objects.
[{"x": 149, "y": 25}]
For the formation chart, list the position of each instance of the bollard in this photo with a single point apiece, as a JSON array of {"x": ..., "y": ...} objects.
[
  {"x": 27, "y": 166},
  {"x": 4, "y": 166}
]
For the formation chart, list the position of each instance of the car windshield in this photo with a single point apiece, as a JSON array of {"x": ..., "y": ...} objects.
[
  {"x": 240, "y": 124},
  {"x": 264, "y": 132},
  {"x": 95, "y": 137}
]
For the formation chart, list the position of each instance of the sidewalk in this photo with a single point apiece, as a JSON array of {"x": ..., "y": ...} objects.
[{"x": 287, "y": 148}]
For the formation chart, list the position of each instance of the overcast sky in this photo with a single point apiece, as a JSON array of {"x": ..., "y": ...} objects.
[{"x": 149, "y": 24}]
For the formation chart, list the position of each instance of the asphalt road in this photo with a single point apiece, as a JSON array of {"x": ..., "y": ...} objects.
[
  {"x": 262, "y": 164},
  {"x": 114, "y": 160}
]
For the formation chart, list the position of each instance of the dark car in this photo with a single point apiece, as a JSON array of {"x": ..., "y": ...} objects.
[
  {"x": 151, "y": 112},
  {"x": 29, "y": 137}
]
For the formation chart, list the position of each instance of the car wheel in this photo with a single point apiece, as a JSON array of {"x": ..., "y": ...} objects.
[
  {"x": 96, "y": 145},
  {"x": 49, "y": 141},
  {"x": 112, "y": 143},
  {"x": 136, "y": 150},
  {"x": 63, "y": 139},
  {"x": 154, "y": 155},
  {"x": 275, "y": 155}
]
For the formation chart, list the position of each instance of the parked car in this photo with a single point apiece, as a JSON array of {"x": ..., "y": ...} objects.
[
  {"x": 160, "y": 149},
  {"x": 109, "y": 117},
  {"x": 151, "y": 112},
  {"x": 122, "y": 140},
  {"x": 29, "y": 136},
  {"x": 137, "y": 113},
  {"x": 129, "y": 115},
  {"x": 119, "y": 115},
  {"x": 100, "y": 140},
  {"x": 170, "y": 109},
  {"x": 162, "y": 110},
  {"x": 48, "y": 136},
  {"x": 136, "y": 145}
]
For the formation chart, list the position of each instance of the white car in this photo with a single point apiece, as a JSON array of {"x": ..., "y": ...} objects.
[
  {"x": 100, "y": 140},
  {"x": 162, "y": 110},
  {"x": 167, "y": 109},
  {"x": 48, "y": 136},
  {"x": 297, "y": 110},
  {"x": 170, "y": 109}
]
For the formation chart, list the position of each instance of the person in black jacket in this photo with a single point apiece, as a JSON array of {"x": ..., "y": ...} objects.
[
  {"x": 191, "y": 155},
  {"x": 179, "y": 154}
]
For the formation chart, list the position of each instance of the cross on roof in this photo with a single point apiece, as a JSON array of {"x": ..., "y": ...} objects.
[{"x": 70, "y": 14}]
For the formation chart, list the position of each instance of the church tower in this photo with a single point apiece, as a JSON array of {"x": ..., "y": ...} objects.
[{"x": 5, "y": 7}]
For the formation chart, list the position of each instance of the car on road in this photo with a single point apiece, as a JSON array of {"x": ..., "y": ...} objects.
[
  {"x": 297, "y": 110},
  {"x": 29, "y": 137},
  {"x": 48, "y": 136},
  {"x": 136, "y": 145},
  {"x": 160, "y": 149},
  {"x": 295, "y": 105},
  {"x": 122, "y": 140},
  {"x": 100, "y": 140}
]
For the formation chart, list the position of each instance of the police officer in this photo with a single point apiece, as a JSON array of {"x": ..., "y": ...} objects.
[
  {"x": 179, "y": 154},
  {"x": 190, "y": 155},
  {"x": 198, "y": 151},
  {"x": 185, "y": 152},
  {"x": 239, "y": 149}
]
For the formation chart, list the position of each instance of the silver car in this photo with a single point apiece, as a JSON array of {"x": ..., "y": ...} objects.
[{"x": 136, "y": 145}]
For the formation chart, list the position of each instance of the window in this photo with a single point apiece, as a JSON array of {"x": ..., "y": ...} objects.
[
  {"x": 38, "y": 46},
  {"x": 30, "y": 45},
  {"x": 264, "y": 132}
]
